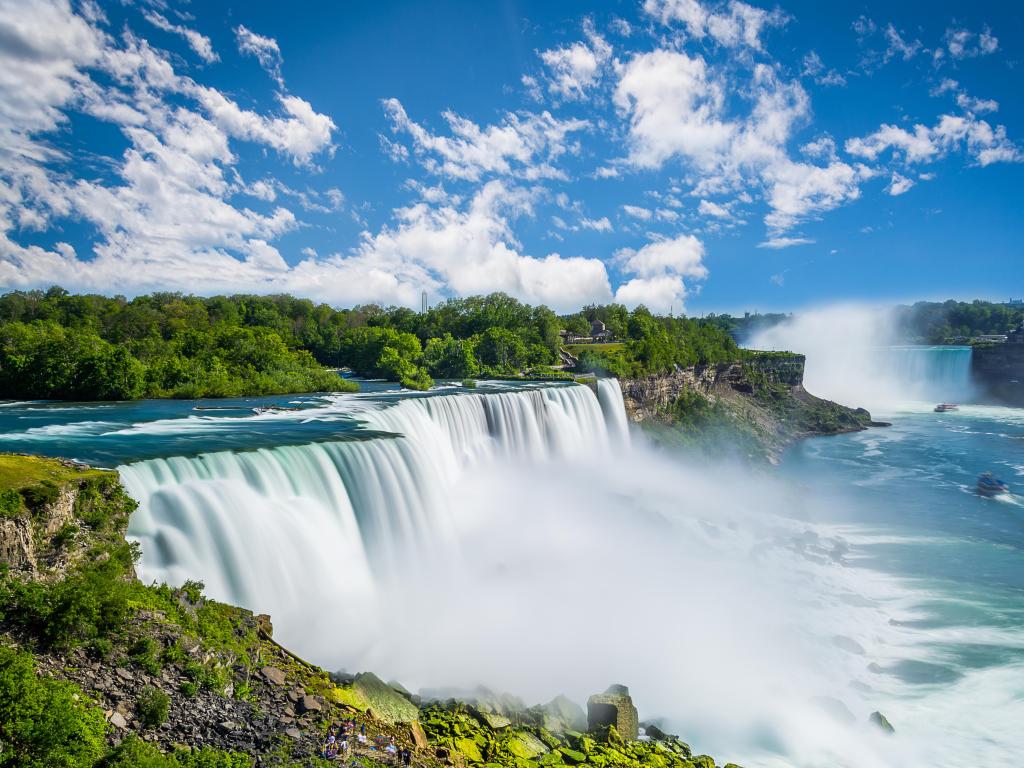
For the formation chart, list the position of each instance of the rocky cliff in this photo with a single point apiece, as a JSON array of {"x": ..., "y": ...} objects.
[
  {"x": 754, "y": 407},
  {"x": 998, "y": 370},
  {"x": 100, "y": 671}
]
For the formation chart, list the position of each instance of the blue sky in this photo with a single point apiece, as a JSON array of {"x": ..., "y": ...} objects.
[{"x": 687, "y": 155}]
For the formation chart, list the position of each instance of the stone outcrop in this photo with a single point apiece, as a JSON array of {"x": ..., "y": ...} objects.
[
  {"x": 49, "y": 520},
  {"x": 562, "y": 714},
  {"x": 384, "y": 702},
  {"x": 761, "y": 399},
  {"x": 615, "y": 708}
]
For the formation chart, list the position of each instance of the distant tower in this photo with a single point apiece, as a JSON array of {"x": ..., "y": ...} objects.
[{"x": 423, "y": 302}]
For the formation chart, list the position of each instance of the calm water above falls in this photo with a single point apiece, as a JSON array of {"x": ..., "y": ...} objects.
[{"x": 528, "y": 544}]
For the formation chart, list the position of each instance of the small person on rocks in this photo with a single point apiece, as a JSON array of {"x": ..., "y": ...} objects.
[{"x": 330, "y": 750}]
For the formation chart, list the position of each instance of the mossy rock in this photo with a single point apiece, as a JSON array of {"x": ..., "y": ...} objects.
[
  {"x": 571, "y": 756},
  {"x": 881, "y": 721},
  {"x": 551, "y": 758},
  {"x": 383, "y": 701},
  {"x": 703, "y": 761},
  {"x": 469, "y": 749},
  {"x": 348, "y": 697},
  {"x": 525, "y": 745},
  {"x": 562, "y": 714}
]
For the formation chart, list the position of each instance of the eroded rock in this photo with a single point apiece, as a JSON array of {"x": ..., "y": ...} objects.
[{"x": 613, "y": 707}]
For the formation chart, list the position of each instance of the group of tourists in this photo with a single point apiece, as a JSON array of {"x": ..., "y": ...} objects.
[{"x": 340, "y": 738}]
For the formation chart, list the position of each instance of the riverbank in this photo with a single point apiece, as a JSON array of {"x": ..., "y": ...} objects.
[
  {"x": 102, "y": 670},
  {"x": 753, "y": 409}
]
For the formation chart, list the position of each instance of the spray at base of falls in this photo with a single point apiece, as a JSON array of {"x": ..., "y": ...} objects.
[
  {"x": 518, "y": 540},
  {"x": 855, "y": 358},
  {"x": 262, "y": 528}
]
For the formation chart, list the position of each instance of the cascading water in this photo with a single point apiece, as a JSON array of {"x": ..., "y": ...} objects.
[
  {"x": 521, "y": 539},
  {"x": 853, "y": 357},
  {"x": 261, "y": 527}
]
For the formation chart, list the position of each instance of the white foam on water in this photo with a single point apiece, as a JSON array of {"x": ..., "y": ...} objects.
[{"x": 526, "y": 540}]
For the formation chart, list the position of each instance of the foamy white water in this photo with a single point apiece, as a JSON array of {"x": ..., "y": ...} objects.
[
  {"x": 524, "y": 539},
  {"x": 854, "y": 357}
]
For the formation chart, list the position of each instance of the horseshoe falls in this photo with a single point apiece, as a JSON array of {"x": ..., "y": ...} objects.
[{"x": 854, "y": 357}]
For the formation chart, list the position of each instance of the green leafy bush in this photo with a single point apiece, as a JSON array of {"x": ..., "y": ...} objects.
[
  {"x": 45, "y": 722},
  {"x": 65, "y": 535},
  {"x": 100, "y": 648},
  {"x": 152, "y": 706},
  {"x": 146, "y": 653},
  {"x": 135, "y": 753},
  {"x": 11, "y": 503},
  {"x": 89, "y": 602}
]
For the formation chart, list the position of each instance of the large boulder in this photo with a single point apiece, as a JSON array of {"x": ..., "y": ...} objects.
[
  {"x": 561, "y": 715},
  {"x": 385, "y": 703},
  {"x": 613, "y": 707}
]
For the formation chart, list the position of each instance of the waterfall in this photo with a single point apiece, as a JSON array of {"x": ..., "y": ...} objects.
[
  {"x": 610, "y": 396},
  {"x": 263, "y": 528},
  {"x": 934, "y": 372},
  {"x": 854, "y": 357}
]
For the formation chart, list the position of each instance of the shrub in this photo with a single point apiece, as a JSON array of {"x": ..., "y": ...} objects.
[
  {"x": 173, "y": 654},
  {"x": 135, "y": 753},
  {"x": 90, "y": 601},
  {"x": 193, "y": 590},
  {"x": 41, "y": 495},
  {"x": 152, "y": 707},
  {"x": 189, "y": 688},
  {"x": 100, "y": 648},
  {"x": 146, "y": 653},
  {"x": 45, "y": 722},
  {"x": 11, "y": 503},
  {"x": 65, "y": 535}
]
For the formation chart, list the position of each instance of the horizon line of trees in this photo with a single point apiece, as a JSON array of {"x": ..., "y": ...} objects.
[{"x": 54, "y": 344}]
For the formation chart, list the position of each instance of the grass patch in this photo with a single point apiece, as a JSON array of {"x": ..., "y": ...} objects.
[{"x": 21, "y": 472}]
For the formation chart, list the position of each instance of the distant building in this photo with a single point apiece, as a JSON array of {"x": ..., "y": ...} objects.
[
  {"x": 599, "y": 332},
  {"x": 1015, "y": 303}
]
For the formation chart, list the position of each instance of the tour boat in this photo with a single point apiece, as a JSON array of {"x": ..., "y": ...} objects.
[
  {"x": 943, "y": 407},
  {"x": 990, "y": 485}
]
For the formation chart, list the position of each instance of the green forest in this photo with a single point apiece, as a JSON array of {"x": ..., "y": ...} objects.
[
  {"x": 932, "y": 322},
  {"x": 54, "y": 344}
]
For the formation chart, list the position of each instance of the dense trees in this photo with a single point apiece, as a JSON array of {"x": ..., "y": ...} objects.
[
  {"x": 934, "y": 323},
  {"x": 654, "y": 344},
  {"x": 57, "y": 345}
]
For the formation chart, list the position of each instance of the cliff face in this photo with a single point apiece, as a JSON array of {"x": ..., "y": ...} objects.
[
  {"x": 54, "y": 513},
  {"x": 754, "y": 408},
  {"x": 998, "y": 369}
]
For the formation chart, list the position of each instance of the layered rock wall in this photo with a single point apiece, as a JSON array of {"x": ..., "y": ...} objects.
[{"x": 998, "y": 370}]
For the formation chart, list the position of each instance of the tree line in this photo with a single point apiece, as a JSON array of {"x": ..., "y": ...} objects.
[
  {"x": 54, "y": 344},
  {"x": 932, "y": 322}
]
